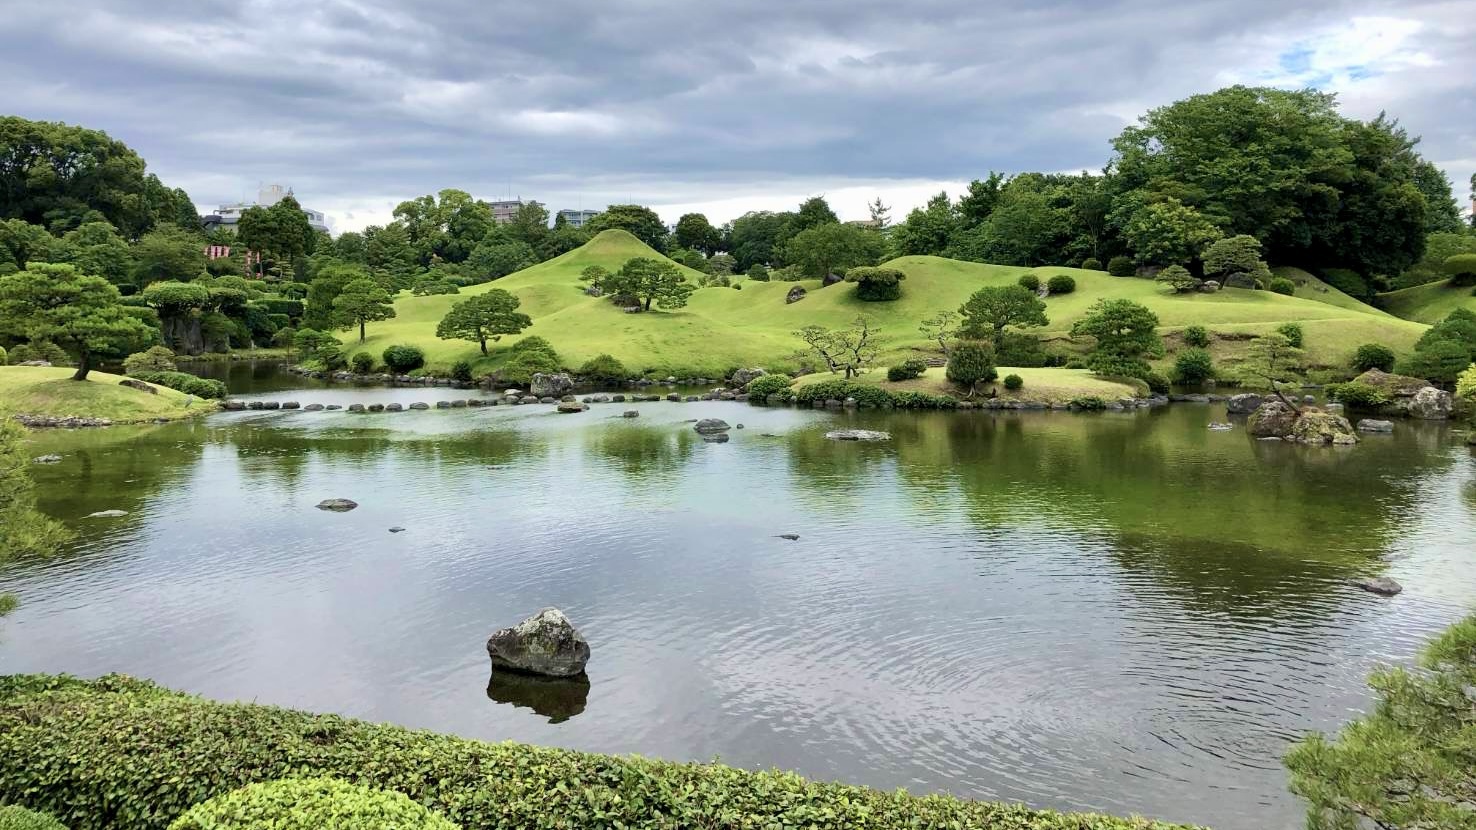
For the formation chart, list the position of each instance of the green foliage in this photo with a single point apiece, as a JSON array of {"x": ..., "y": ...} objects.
[
  {"x": 1029, "y": 282},
  {"x": 651, "y": 281},
  {"x": 1197, "y": 336},
  {"x": 1178, "y": 278},
  {"x": 1462, "y": 269},
  {"x": 693, "y": 231},
  {"x": 168, "y": 253},
  {"x": 868, "y": 395},
  {"x": 185, "y": 382},
  {"x": 1121, "y": 266},
  {"x": 362, "y": 363},
  {"x": 641, "y": 222},
  {"x": 13, "y": 817},
  {"x": 1091, "y": 263},
  {"x": 832, "y": 249},
  {"x": 1440, "y": 361},
  {"x": 431, "y": 285},
  {"x": 1165, "y": 232},
  {"x": 1271, "y": 361},
  {"x": 310, "y": 804},
  {"x": 1373, "y": 356},
  {"x": 530, "y": 356},
  {"x": 461, "y": 371},
  {"x": 876, "y": 284},
  {"x": 24, "y": 531},
  {"x": 1282, "y": 285},
  {"x": 907, "y": 370},
  {"x": 1157, "y": 383},
  {"x": 4, "y": 356},
  {"x": 1193, "y": 366},
  {"x": 1357, "y": 395},
  {"x": 492, "y": 259},
  {"x": 154, "y": 359},
  {"x": 761, "y": 387},
  {"x": 1014, "y": 382},
  {"x": 533, "y": 343},
  {"x": 280, "y": 233},
  {"x": 758, "y": 273},
  {"x": 970, "y": 364},
  {"x": 849, "y": 350},
  {"x": 1466, "y": 385},
  {"x": 361, "y": 301},
  {"x": 603, "y": 367},
  {"x": 1240, "y": 254},
  {"x": 1348, "y": 282},
  {"x": 402, "y": 358},
  {"x": 990, "y": 309},
  {"x": 1293, "y": 334},
  {"x": 82, "y": 314},
  {"x": 1407, "y": 763},
  {"x": 1060, "y": 284},
  {"x": 38, "y": 350},
  {"x": 1088, "y": 403},
  {"x": 487, "y": 316},
  {"x": 1125, "y": 333}
]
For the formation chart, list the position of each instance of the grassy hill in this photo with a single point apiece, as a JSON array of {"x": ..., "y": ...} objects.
[
  {"x": 51, "y": 392},
  {"x": 1310, "y": 287},
  {"x": 1428, "y": 303},
  {"x": 721, "y": 327}
]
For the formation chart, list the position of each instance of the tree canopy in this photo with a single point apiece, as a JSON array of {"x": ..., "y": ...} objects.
[
  {"x": 650, "y": 280},
  {"x": 1125, "y": 333},
  {"x": 82, "y": 314},
  {"x": 486, "y": 316},
  {"x": 362, "y": 301},
  {"x": 990, "y": 309},
  {"x": 832, "y": 248},
  {"x": 640, "y": 221}
]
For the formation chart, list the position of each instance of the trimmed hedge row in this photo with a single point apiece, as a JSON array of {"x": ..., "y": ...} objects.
[
  {"x": 122, "y": 753},
  {"x": 19, "y": 818},
  {"x": 310, "y": 804},
  {"x": 867, "y": 395},
  {"x": 184, "y": 382}
]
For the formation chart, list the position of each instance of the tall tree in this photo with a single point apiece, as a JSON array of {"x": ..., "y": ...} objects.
[
  {"x": 927, "y": 230},
  {"x": 529, "y": 225},
  {"x": 651, "y": 281},
  {"x": 280, "y": 233},
  {"x": 167, "y": 253},
  {"x": 990, "y": 309},
  {"x": 1165, "y": 232},
  {"x": 980, "y": 201},
  {"x": 83, "y": 314},
  {"x": 833, "y": 248},
  {"x": 881, "y": 214},
  {"x": 1442, "y": 214},
  {"x": 483, "y": 317},
  {"x": 362, "y": 301},
  {"x": 695, "y": 232},
  {"x": 97, "y": 248},
  {"x": 813, "y": 212},
  {"x": 756, "y": 238},
  {"x": 640, "y": 221}
]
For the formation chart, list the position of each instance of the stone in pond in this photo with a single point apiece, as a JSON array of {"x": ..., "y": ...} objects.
[
  {"x": 1373, "y": 425},
  {"x": 1381, "y": 585},
  {"x": 710, "y": 426},
  {"x": 630, "y": 413},
  {"x": 1221, "y": 427},
  {"x": 793, "y": 537},
  {"x": 545, "y": 643},
  {"x": 337, "y": 505},
  {"x": 397, "y": 529},
  {"x": 858, "y": 435},
  {"x": 46, "y": 459},
  {"x": 108, "y": 514}
]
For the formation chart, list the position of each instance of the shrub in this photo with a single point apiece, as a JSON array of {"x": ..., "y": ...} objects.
[
  {"x": 1091, "y": 263},
  {"x": 1282, "y": 285},
  {"x": 603, "y": 367},
  {"x": 876, "y": 284},
  {"x": 1197, "y": 336},
  {"x": 1193, "y": 366},
  {"x": 522, "y": 366},
  {"x": 533, "y": 343},
  {"x": 1373, "y": 356},
  {"x": 38, "y": 350},
  {"x": 363, "y": 363},
  {"x": 1178, "y": 278},
  {"x": 758, "y": 273},
  {"x": 1061, "y": 284},
  {"x": 1441, "y": 361},
  {"x": 153, "y": 359},
  {"x": 401, "y": 358},
  {"x": 907, "y": 370},
  {"x": 763, "y": 386},
  {"x": 1292, "y": 332},
  {"x": 1090, "y": 403},
  {"x": 284, "y": 338},
  {"x": 1157, "y": 383},
  {"x": 1357, "y": 395},
  {"x": 461, "y": 371},
  {"x": 310, "y": 804},
  {"x": 13, "y": 817},
  {"x": 1348, "y": 282},
  {"x": 1121, "y": 266},
  {"x": 1466, "y": 385},
  {"x": 970, "y": 364},
  {"x": 1015, "y": 382},
  {"x": 184, "y": 382},
  {"x": 1029, "y": 282},
  {"x": 1462, "y": 269},
  {"x": 1019, "y": 349}
]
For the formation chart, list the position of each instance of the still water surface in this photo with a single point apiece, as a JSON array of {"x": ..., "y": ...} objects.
[{"x": 1117, "y": 612}]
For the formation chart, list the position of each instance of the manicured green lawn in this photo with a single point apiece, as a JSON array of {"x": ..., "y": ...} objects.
[
  {"x": 1045, "y": 385},
  {"x": 723, "y": 328},
  {"x": 1428, "y": 303},
  {"x": 50, "y": 391}
]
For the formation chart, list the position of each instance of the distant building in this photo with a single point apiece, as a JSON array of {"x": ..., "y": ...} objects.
[
  {"x": 578, "y": 218},
  {"x": 226, "y": 216},
  {"x": 504, "y": 211}
]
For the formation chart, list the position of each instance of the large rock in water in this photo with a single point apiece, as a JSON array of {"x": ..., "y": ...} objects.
[
  {"x": 1409, "y": 396},
  {"x": 552, "y": 385},
  {"x": 1272, "y": 419},
  {"x": 545, "y": 643},
  {"x": 1244, "y": 404},
  {"x": 1276, "y": 419},
  {"x": 743, "y": 377},
  {"x": 711, "y": 426},
  {"x": 337, "y": 505},
  {"x": 1430, "y": 404},
  {"x": 1395, "y": 386}
]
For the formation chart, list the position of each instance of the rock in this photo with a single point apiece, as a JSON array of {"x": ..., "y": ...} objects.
[
  {"x": 233, "y": 406},
  {"x": 131, "y": 383},
  {"x": 337, "y": 505},
  {"x": 795, "y": 294},
  {"x": 630, "y": 413},
  {"x": 394, "y": 407},
  {"x": 1272, "y": 419},
  {"x": 737, "y": 426},
  {"x": 46, "y": 459},
  {"x": 313, "y": 407},
  {"x": 1381, "y": 585},
  {"x": 716, "y": 438},
  {"x": 858, "y": 435},
  {"x": 743, "y": 377},
  {"x": 1317, "y": 426},
  {"x": 461, "y": 404},
  {"x": 545, "y": 643},
  {"x": 420, "y": 405},
  {"x": 1209, "y": 286},
  {"x": 1371, "y": 425},
  {"x": 38, "y": 363},
  {"x": 1430, "y": 404},
  {"x": 551, "y": 385},
  {"x": 1395, "y": 386},
  {"x": 397, "y": 529},
  {"x": 1221, "y": 427},
  {"x": 1240, "y": 281},
  {"x": 831, "y": 279},
  {"x": 1333, "y": 407},
  {"x": 572, "y": 406},
  {"x": 255, "y": 405},
  {"x": 291, "y": 405},
  {"x": 793, "y": 537},
  {"x": 544, "y": 399},
  {"x": 108, "y": 514},
  {"x": 708, "y": 426},
  {"x": 333, "y": 407},
  {"x": 356, "y": 407},
  {"x": 271, "y": 404},
  {"x": 375, "y": 407},
  {"x": 674, "y": 397},
  {"x": 1244, "y": 404}
]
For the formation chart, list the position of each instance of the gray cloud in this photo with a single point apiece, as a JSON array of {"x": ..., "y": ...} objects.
[{"x": 361, "y": 103}]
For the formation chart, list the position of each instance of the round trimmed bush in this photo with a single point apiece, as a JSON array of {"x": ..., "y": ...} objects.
[
  {"x": 461, "y": 371},
  {"x": 401, "y": 359},
  {"x": 153, "y": 359},
  {"x": 907, "y": 370},
  {"x": 1013, "y": 382},
  {"x": 603, "y": 367},
  {"x": 1091, "y": 263},
  {"x": 1193, "y": 366},
  {"x": 1121, "y": 266},
  {"x": 1030, "y": 282},
  {"x": 1197, "y": 336},
  {"x": 1373, "y": 356},
  {"x": 763, "y": 386},
  {"x": 533, "y": 343},
  {"x": 971, "y": 364},
  {"x": 184, "y": 382},
  {"x": 1157, "y": 384},
  {"x": 522, "y": 366},
  {"x": 1282, "y": 285},
  {"x": 15, "y": 817},
  {"x": 875, "y": 284},
  {"x": 1060, "y": 284},
  {"x": 1462, "y": 269},
  {"x": 1293, "y": 334},
  {"x": 363, "y": 363},
  {"x": 758, "y": 273},
  {"x": 310, "y": 804}
]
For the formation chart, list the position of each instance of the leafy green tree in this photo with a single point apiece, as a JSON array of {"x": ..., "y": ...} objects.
[
  {"x": 1023, "y": 229},
  {"x": 561, "y": 240},
  {"x": 24, "y": 531},
  {"x": 494, "y": 260},
  {"x": 83, "y": 314},
  {"x": 695, "y": 232},
  {"x": 318, "y": 311},
  {"x": 529, "y": 225},
  {"x": 350, "y": 246},
  {"x": 640, "y": 221},
  {"x": 1178, "y": 278},
  {"x": 1167, "y": 232},
  {"x": 362, "y": 301},
  {"x": 1125, "y": 333},
  {"x": 941, "y": 328},
  {"x": 721, "y": 265},
  {"x": 1441, "y": 361},
  {"x": 280, "y": 233},
  {"x": 485, "y": 316},
  {"x": 928, "y": 230},
  {"x": 1407, "y": 763},
  {"x": 983, "y": 196},
  {"x": 651, "y": 281},
  {"x": 21, "y": 242},
  {"x": 1461, "y": 268},
  {"x": 1442, "y": 214},
  {"x": 96, "y": 248},
  {"x": 813, "y": 212},
  {"x": 827, "y": 249},
  {"x": 168, "y": 253},
  {"x": 1272, "y": 361},
  {"x": 850, "y": 350},
  {"x": 757, "y": 238},
  {"x": 1373, "y": 356},
  {"x": 970, "y": 364},
  {"x": 990, "y": 309},
  {"x": 1240, "y": 254},
  {"x": 1193, "y": 366},
  {"x": 881, "y": 214}
]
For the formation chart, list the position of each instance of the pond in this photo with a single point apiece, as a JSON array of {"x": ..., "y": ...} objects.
[{"x": 1124, "y": 612}]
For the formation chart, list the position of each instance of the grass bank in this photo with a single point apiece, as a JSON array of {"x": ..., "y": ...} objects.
[
  {"x": 125, "y": 754},
  {"x": 1050, "y": 386},
  {"x": 1428, "y": 303},
  {"x": 50, "y": 392}
]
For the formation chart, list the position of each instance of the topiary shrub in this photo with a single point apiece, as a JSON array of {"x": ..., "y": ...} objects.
[
  {"x": 1193, "y": 366},
  {"x": 1121, "y": 266},
  {"x": 1060, "y": 284},
  {"x": 1292, "y": 332},
  {"x": 1197, "y": 336},
  {"x": 1089, "y": 403},
  {"x": 522, "y": 366},
  {"x": 603, "y": 367},
  {"x": 907, "y": 370},
  {"x": 1357, "y": 395},
  {"x": 184, "y": 382},
  {"x": 153, "y": 359},
  {"x": 1091, "y": 263},
  {"x": 461, "y": 371},
  {"x": 761, "y": 387},
  {"x": 876, "y": 284},
  {"x": 363, "y": 363},
  {"x": 533, "y": 343},
  {"x": 970, "y": 364},
  {"x": 401, "y": 358},
  {"x": 1373, "y": 356},
  {"x": 1014, "y": 382},
  {"x": 1157, "y": 383},
  {"x": 1029, "y": 282},
  {"x": 1462, "y": 269},
  {"x": 310, "y": 804},
  {"x": 758, "y": 273},
  {"x": 1282, "y": 285},
  {"x": 14, "y": 817}
]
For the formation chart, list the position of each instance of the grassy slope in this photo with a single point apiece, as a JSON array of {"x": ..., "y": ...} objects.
[
  {"x": 1309, "y": 287},
  {"x": 50, "y": 391},
  {"x": 722, "y": 328},
  {"x": 1428, "y": 303},
  {"x": 1046, "y": 385}
]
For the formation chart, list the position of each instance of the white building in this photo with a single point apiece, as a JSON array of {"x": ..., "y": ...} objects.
[
  {"x": 577, "y": 218},
  {"x": 226, "y": 216}
]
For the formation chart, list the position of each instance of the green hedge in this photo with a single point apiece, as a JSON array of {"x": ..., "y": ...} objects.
[
  {"x": 184, "y": 382},
  {"x": 310, "y": 804},
  {"x": 19, "y": 818},
  {"x": 126, "y": 754},
  {"x": 838, "y": 389}
]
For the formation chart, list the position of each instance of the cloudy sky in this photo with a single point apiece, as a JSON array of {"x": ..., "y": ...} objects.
[{"x": 721, "y": 106}]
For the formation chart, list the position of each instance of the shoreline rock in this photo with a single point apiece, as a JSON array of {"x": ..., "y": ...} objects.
[
  {"x": 546, "y": 643},
  {"x": 1381, "y": 585}
]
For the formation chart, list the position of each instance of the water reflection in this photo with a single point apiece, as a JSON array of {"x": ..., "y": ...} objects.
[{"x": 556, "y": 698}]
